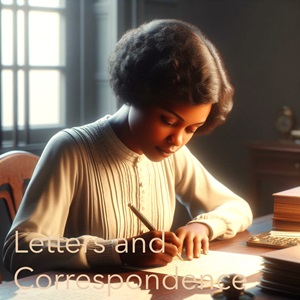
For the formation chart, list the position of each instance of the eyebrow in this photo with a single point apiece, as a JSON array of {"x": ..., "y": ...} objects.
[{"x": 179, "y": 117}]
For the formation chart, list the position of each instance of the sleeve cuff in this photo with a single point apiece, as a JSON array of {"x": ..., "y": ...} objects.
[
  {"x": 216, "y": 227},
  {"x": 102, "y": 253}
]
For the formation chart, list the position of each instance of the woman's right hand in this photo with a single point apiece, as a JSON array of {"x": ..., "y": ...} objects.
[{"x": 153, "y": 248}]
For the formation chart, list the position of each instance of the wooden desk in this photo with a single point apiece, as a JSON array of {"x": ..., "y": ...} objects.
[
  {"x": 236, "y": 245},
  {"x": 274, "y": 167}
]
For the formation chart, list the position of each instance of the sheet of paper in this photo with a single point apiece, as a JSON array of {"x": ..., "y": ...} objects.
[
  {"x": 215, "y": 264},
  {"x": 75, "y": 291}
]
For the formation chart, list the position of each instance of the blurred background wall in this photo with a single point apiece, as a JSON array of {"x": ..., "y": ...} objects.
[{"x": 260, "y": 44}]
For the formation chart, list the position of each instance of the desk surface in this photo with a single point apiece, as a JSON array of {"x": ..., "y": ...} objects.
[{"x": 234, "y": 245}]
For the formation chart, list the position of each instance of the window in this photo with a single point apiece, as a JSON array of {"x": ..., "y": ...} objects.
[{"x": 42, "y": 65}]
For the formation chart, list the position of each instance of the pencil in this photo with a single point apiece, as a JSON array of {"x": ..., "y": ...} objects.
[{"x": 145, "y": 221}]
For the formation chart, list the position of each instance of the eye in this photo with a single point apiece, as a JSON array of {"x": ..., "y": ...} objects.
[
  {"x": 169, "y": 121},
  {"x": 191, "y": 130}
]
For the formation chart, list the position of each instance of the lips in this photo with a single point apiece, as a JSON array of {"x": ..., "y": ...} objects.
[{"x": 165, "y": 152}]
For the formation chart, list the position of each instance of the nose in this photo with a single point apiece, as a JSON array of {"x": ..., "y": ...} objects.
[{"x": 175, "y": 139}]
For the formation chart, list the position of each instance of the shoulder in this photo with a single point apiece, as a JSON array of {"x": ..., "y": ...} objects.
[
  {"x": 76, "y": 137},
  {"x": 66, "y": 143},
  {"x": 63, "y": 141}
]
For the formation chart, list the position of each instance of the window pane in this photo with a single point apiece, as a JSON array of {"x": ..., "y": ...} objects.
[
  {"x": 7, "y": 99},
  {"x": 45, "y": 38},
  {"x": 20, "y": 37},
  {"x": 10, "y": 2},
  {"x": 45, "y": 98},
  {"x": 6, "y": 1},
  {"x": 7, "y": 36},
  {"x": 47, "y": 3},
  {"x": 21, "y": 98}
]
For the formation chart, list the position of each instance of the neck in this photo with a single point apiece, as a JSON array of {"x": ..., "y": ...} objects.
[{"x": 119, "y": 124}]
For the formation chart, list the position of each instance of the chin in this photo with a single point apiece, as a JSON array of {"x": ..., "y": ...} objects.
[{"x": 156, "y": 157}]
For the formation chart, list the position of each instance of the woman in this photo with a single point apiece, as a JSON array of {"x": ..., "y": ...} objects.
[{"x": 171, "y": 84}]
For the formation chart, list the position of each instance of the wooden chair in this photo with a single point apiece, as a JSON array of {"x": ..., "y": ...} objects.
[{"x": 16, "y": 168}]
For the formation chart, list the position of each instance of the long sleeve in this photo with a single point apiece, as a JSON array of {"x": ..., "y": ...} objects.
[
  {"x": 48, "y": 211},
  {"x": 207, "y": 200}
]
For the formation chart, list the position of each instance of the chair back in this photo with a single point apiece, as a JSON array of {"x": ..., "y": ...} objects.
[{"x": 16, "y": 168}]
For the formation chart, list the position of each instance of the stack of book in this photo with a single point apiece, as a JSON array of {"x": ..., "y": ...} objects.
[
  {"x": 287, "y": 210},
  {"x": 281, "y": 271}
]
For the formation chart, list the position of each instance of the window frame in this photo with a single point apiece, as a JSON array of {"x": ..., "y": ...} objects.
[{"x": 80, "y": 90}]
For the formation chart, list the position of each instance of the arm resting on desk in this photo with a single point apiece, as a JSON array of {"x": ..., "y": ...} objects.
[{"x": 225, "y": 213}]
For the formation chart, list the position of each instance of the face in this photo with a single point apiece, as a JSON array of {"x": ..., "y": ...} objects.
[{"x": 160, "y": 131}]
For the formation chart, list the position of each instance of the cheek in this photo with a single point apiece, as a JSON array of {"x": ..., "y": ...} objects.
[
  {"x": 145, "y": 131},
  {"x": 159, "y": 132},
  {"x": 156, "y": 129},
  {"x": 187, "y": 138}
]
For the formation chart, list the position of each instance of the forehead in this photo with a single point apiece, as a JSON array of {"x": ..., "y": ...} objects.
[{"x": 190, "y": 113}]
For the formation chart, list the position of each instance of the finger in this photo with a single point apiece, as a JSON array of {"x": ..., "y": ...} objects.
[
  {"x": 197, "y": 247},
  {"x": 189, "y": 247},
  {"x": 163, "y": 259},
  {"x": 171, "y": 237},
  {"x": 159, "y": 246},
  {"x": 181, "y": 236},
  {"x": 205, "y": 245},
  {"x": 171, "y": 249}
]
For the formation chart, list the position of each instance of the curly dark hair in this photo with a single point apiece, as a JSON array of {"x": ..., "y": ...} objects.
[{"x": 171, "y": 60}]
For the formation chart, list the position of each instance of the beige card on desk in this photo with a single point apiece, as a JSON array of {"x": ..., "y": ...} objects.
[{"x": 289, "y": 255}]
